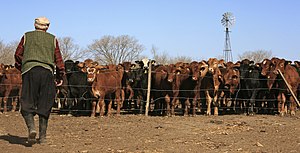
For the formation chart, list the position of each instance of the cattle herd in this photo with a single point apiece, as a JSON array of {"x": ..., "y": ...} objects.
[{"x": 207, "y": 87}]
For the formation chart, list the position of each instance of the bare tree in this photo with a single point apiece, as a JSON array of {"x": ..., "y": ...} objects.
[
  {"x": 256, "y": 56},
  {"x": 70, "y": 50},
  {"x": 162, "y": 58},
  {"x": 7, "y": 52},
  {"x": 165, "y": 58},
  {"x": 115, "y": 50},
  {"x": 184, "y": 59}
]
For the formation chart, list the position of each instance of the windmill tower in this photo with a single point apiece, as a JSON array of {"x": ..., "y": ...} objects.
[{"x": 227, "y": 21}]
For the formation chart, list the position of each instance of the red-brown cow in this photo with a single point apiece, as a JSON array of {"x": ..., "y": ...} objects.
[
  {"x": 161, "y": 87},
  {"x": 107, "y": 84},
  {"x": 199, "y": 70},
  {"x": 230, "y": 85},
  {"x": 179, "y": 73},
  {"x": 186, "y": 80},
  {"x": 292, "y": 77},
  {"x": 210, "y": 84},
  {"x": 11, "y": 84}
]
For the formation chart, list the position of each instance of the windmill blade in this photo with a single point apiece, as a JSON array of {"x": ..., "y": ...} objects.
[{"x": 228, "y": 20}]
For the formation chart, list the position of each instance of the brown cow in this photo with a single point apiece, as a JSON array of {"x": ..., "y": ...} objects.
[
  {"x": 292, "y": 77},
  {"x": 231, "y": 84},
  {"x": 161, "y": 87},
  {"x": 180, "y": 73},
  {"x": 210, "y": 84},
  {"x": 186, "y": 80},
  {"x": 106, "y": 84},
  {"x": 126, "y": 84},
  {"x": 11, "y": 85},
  {"x": 199, "y": 70}
]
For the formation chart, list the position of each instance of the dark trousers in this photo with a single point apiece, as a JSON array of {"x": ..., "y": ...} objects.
[{"x": 38, "y": 91}]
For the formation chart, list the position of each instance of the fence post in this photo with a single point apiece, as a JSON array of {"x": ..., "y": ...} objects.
[{"x": 149, "y": 88}]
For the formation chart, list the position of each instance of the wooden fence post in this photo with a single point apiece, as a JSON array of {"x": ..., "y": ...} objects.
[{"x": 148, "y": 89}]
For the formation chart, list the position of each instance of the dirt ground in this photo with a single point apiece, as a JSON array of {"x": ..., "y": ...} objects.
[{"x": 153, "y": 134}]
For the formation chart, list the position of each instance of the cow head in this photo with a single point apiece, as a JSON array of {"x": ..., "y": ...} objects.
[
  {"x": 71, "y": 66},
  {"x": 244, "y": 67},
  {"x": 171, "y": 72},
  {"x": 145, "y": 63},
  {"x": 127, "y": 66},
  {"x": 279, "y": 65},
  {"x": 266, "y": 66},
  {"x": 90, "y": 67},
  {"x": 213, "y": 64},
  {"x": 267, "y": 69},
  {"x": 199, "y": 69},
  {"x": 195, "y": 71},
  {"x": 232, "y": 79}
]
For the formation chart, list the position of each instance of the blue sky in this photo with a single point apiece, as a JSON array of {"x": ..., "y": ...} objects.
[{"x": 179, "y": 27}]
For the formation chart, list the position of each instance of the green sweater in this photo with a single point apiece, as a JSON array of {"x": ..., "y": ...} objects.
[{"x": 39, "y": 50}]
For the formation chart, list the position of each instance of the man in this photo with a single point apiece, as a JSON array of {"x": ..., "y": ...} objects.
[{"x": 36, "y": 57}]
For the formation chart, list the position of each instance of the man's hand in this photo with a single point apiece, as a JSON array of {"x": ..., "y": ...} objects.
[{"x": 58, "y": 82}]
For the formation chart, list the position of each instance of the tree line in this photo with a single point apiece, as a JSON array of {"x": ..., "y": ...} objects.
[{"x": 116, "y": 49}]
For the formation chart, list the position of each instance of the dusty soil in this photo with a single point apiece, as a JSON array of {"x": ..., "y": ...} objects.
[{"x": 138, "y": 133}]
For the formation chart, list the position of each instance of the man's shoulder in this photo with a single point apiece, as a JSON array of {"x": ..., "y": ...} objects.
[{"x": 37, "y": 31}]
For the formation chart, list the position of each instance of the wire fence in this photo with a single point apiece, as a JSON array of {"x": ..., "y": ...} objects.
[{"x": 269, "y": 102}]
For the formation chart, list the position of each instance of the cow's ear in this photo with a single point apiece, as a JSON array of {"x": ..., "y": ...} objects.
[
  {"x": 221, "y": 61},
  {"x": 80, "y": 65},
  {"x": 288, "y": 62},
  {"x": 237, "y": 65},
  {"x": 120, "y": 67},
  {"x": 264, "y": 61},
  {"x": 6, "y": 67},
  {"x": 180, "y": 67},
  {"x": 95, "y": 63},
  {"x": 177, "y": 72},
  {"x": 297, "y": 63}
]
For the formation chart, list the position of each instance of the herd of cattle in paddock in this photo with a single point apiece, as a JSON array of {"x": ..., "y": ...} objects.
[{"x": 206, "y": 87}]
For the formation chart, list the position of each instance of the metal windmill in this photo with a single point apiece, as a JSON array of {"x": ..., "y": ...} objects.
[{"x": 227, "y": 21}]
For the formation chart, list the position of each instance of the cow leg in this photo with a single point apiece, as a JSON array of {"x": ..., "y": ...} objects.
[
  {"x": 216, "y": 104},
  {"x": 186, "y": 107},
  {"x": 119, "y": 103},
  {"x": 98, "y": 108},
  {"x": 102, "y": 106},
  {"x": 4, "y": 104},
  {"x": 173, "y": 106},
  {"x": 94, "y": 103},
  {"x": 141, "y": 104},
  {"x": 167, "y": 105},
  {"x": 14, "y": 104},
  {"x": 193, "y": 105},
  {"x": 252, "y": 102},
  {"x": 208, "y": 103},
  {"x": 109, "y": 107},
  {"x": 281, "y": 104},
  {"x": 293, "y": 106},
  {"x": 1, "y": 100}
]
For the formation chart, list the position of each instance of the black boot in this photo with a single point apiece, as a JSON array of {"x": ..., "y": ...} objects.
[
  {"x": 43, "y": 123},
  {"x": 29, "y": 120}
]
